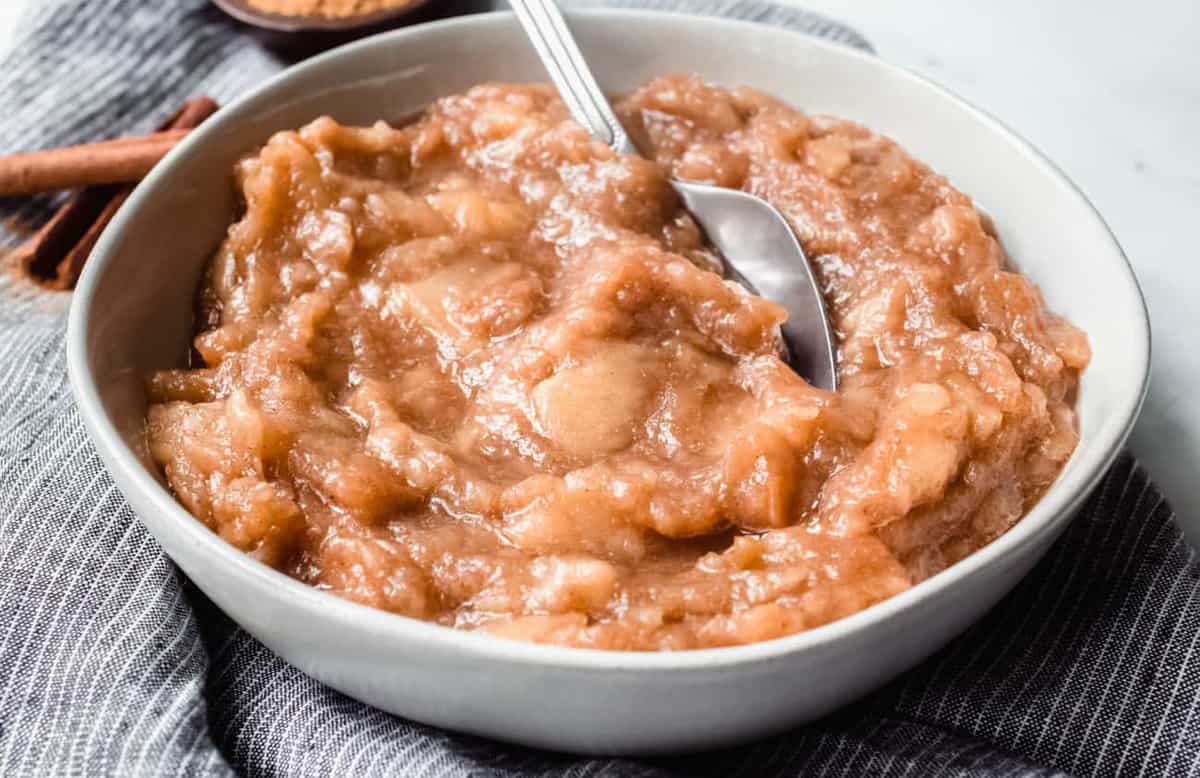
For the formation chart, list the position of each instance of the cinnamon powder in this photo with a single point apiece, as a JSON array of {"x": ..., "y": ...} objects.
[{"x": 328, "y": 8}]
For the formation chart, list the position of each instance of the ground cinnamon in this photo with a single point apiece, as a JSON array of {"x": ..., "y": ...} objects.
[{"x": 337, "y": 9}]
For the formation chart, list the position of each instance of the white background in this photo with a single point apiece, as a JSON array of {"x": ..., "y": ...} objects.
[{"x": 1110, "y": 90}]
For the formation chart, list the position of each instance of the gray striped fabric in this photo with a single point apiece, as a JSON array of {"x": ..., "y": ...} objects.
[{"x": 112, "y": 664}]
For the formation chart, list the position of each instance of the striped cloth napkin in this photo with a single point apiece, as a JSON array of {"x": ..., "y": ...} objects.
[{"x": 112, "y": 664}]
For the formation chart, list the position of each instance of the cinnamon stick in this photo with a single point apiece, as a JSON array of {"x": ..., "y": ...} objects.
[
  {"x": 108, "y": 162},
  {"x": 192, "y": 113},
  {"x": 66, "y": 272},
  {"x": 56, "y": 253},
  {"x": 186, "y": 119}
]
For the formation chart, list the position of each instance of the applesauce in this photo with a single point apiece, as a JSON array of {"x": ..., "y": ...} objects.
[{"x": 478, "y": 370}]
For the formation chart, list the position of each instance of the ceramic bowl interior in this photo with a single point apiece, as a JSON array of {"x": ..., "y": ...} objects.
[{"x": 132, "y": 315}]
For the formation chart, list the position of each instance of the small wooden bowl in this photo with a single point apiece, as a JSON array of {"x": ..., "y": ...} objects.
[{"x": 300, "y": 36}]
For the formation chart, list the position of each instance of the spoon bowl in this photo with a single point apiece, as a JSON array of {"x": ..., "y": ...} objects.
[
  {"x": 757, "y": 246},
  {"x": 761, "y": 252}
]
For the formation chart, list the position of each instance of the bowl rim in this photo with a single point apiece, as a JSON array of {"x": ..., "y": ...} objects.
[{"x": 1054, "y": 509}]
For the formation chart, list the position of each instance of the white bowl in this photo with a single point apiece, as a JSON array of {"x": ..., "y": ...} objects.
[{"x": 132, "y": 315}]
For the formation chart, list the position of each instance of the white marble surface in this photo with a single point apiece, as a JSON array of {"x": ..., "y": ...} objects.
[
  {"x": 1111, "y": 91},
  {"x": 10, "y": 10}
]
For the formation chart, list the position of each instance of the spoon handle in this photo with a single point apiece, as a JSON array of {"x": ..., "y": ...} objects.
[{"x": 560, "y": 54}]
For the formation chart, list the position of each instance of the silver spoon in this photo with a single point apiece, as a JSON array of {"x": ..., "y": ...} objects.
[{"x": 757, "y": 246}]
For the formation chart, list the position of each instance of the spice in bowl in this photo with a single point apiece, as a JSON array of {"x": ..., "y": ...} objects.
[
  {"x": 295, "y": 29},
  {"x": 330, "y": 9}
]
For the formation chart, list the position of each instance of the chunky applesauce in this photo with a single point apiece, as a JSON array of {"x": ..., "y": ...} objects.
[{"x": 477, "y": 370}]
